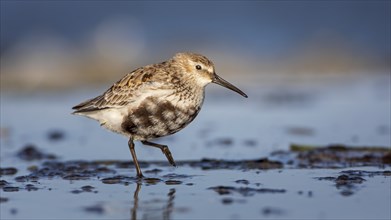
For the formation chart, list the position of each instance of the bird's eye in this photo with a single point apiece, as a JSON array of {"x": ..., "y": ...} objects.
[{"x": 198, "y": 67}]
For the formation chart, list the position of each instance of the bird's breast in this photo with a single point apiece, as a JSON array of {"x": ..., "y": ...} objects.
[{"x": 157, "y": 117}]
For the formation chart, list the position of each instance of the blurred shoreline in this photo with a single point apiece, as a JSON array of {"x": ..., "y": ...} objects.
[{"x": 67, "y": 45}]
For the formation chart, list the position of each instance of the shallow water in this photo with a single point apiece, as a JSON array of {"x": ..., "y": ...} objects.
[
  {"x": 353, "y": 111},
  {"x": 281, "y": 193}
]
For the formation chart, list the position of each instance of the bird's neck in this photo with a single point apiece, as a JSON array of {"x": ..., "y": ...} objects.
[{"x": 187, "y": 96}]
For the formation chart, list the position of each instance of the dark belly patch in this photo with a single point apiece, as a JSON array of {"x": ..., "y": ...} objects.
[{"x": 154, "y": 119}]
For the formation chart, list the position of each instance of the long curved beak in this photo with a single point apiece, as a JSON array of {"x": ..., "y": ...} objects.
[{"x": 218, "y": 80}]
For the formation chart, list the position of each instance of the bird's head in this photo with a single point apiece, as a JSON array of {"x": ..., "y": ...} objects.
[{"x": 202, "y": 71}]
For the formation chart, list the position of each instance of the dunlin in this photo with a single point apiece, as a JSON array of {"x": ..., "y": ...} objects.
[{"x": 155, "y": 100}]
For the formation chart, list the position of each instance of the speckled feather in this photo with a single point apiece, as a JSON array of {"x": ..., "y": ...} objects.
[{"x": 128, "y": 89}]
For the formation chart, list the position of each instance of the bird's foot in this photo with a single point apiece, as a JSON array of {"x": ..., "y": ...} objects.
[
  {"x": 168, "y": 154},
  {"x": 140, "y": 176}
]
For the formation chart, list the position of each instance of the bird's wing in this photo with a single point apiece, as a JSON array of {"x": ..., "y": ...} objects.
[{"x": 133, "y": 87}]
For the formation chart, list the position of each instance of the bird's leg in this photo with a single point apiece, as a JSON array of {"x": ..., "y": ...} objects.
[
  {"x": 135, "y": 161},
  {"x": 164, "y": 149}
]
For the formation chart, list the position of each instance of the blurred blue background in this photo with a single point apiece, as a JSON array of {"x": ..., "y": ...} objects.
[
  {"x": 316, "y": 72},
  {"x": 65, "y": 44}
]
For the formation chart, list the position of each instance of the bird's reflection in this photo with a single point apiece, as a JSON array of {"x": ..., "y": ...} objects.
[
  {"x": 150, "y": 211},
  {"x": 135, "y": 202},
  {"x": 169, "y": 205}
]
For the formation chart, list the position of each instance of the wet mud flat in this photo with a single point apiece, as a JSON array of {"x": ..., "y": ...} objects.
[
  {"x": 303, "y": 182},
  {"x": 73, "y": 169}
]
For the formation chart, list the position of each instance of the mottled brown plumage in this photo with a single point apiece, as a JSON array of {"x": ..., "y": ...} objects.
[{"x": 155, "y": 100}]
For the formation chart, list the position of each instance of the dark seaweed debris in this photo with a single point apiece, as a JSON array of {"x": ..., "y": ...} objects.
[
  {"x": 339, "y": 156},
  {"x": 227, "y": 201},
  {"x": 70, "y": 170},
  {"x": 367, "y": 173},
  {"x": 55, "y": 135},
  {"x": 243, "y": 181},
  {"x": 119, "y": 179},
  {"x": 271, "y": 211},
  {"x": 30, "y": 152},
  {"x": 224, "y": 142},
  {"x": 244, "y": 191},
  {"x": 97, "y": 209},
  {"x": 31, "y": 187},
  {"x": 3, "y": 183},
  {"x": 213, "y": 164},
  {"x": 346, "y": 180},
  {"x": 3, "y": 199},
  {"x": 86, "y": 188},
  {"x": 8, "y": 171},
  {"x": 28, "y": 178},
  {"x": 10, "y": 189},
  {"x": 153, "y": 171},
  {"x": 152, "y": 181},
  {"x": 173, "y": 182},
  {"x": 346, "y": 184},
  {"x": 349, "y": 180}
]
